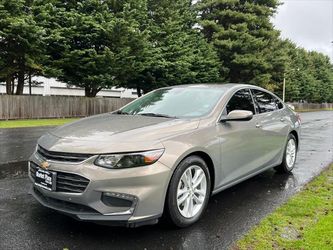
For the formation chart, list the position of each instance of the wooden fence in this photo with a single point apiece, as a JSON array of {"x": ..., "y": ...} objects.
[
  {"x": 312, "y": 106},
  {"x": 28, "y": 107}
]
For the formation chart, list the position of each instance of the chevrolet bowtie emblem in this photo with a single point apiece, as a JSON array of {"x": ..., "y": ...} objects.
[{"x": 45, "y": 165}]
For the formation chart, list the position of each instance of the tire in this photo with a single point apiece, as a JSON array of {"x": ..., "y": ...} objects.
[
  {"x": 179, "y": 213},
  {"x": 290, "y": 150}
]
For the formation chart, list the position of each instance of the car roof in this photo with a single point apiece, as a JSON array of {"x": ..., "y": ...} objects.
[
  {"x": 229, "y": 86},
  {"x": 213, "y": 85}
]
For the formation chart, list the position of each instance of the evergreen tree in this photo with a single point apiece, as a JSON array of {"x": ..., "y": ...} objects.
[
  {"x": 322, "y": 70},
  {"x": 146, "y": 44},
  {"x": 309, "y": 75},
  {"x": 21, "y": 44},
  {"x": 94, "y": 44},
  {"x": 178, "y": 54},
  {"x": 244, "y": 37}
]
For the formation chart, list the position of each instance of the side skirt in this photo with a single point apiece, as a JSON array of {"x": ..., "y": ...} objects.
[{"x": 230, "y": 184}]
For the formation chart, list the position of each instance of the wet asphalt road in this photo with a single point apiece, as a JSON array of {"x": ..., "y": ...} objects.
[
  {"x": 27, "y": 225},
  {"x": 17, "y": 144}
]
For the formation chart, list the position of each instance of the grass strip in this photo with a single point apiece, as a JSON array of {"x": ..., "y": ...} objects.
[
  {"x": 313, "y": 110},
  {"x": 35, "y": 122},
  {"x": 305, "y": 221}
]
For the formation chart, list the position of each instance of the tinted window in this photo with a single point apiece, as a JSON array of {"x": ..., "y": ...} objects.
[
  {"x": 265, "y": 101},
  {"x": 241, "y": 100}
]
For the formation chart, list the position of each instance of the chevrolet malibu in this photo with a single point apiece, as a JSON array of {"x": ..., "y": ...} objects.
[{"x": 163, "y": 154}]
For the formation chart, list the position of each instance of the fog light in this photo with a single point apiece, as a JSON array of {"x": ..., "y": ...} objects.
[{"x": 122, "y": 203}]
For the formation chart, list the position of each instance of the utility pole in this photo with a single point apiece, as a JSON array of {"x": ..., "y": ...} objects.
[
  {"x": 29, "y": 83},
  {"x": 284, "y": 87},
  {"x": 284, "y": 84}
]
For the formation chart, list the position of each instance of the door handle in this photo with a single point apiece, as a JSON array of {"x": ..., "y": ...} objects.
[
  {"x": 282, "y": 119},
  {"x": 258, "y": 125}
]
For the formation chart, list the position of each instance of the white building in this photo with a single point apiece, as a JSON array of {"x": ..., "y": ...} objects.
[{"x": 50, "y": 86}]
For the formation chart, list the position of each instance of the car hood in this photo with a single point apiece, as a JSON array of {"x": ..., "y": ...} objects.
[{"x": 115, "y": 133}]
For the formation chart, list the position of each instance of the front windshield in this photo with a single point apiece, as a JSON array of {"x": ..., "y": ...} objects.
[{"x": 176, "y": 102}]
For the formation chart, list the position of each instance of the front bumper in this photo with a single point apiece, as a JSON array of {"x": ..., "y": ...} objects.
[{"x": 147, "y": 184}]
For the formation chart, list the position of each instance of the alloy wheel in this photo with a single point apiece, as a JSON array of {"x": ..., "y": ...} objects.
[
  {"x": 291, "y": 153},
  {"x": 191, "y": 191}
]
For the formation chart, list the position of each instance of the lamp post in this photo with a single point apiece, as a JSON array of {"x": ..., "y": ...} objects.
[
  {"x": 284, "y": 84},
  {"x": 284, "y": 87}
]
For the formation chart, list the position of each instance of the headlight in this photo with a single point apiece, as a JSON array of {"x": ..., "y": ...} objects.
[{"x": 129, "y": 160}]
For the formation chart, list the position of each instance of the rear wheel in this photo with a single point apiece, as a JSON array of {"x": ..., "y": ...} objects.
[
  {"x": 188, "y": 192},
  {"x": 289, "y": 157}
]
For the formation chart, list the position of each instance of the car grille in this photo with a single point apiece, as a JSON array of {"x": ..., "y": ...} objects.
[
  {"x": 61, "y": 156},
  {"x": 66, "y": 182}
]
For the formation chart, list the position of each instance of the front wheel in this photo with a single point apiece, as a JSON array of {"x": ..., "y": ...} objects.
[
  {"x": 188, "y": 192},
  {"x": 289, "y": 157}
]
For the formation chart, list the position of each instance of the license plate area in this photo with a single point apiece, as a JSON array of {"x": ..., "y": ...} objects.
[{"x": 46, "y": 179}]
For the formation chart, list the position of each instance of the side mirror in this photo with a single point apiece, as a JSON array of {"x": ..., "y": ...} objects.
[{"x": 238, "y": 115}]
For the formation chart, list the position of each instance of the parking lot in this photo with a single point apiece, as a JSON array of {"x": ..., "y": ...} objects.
[{"x": 27, "y": 225}]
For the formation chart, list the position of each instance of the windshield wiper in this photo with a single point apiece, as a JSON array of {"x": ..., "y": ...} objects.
[
  {"x": 157, "y": 115},
  {"x": 120, "y": 112}
]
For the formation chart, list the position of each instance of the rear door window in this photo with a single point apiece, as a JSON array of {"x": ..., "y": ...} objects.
[{"x": 265, "y": 102}]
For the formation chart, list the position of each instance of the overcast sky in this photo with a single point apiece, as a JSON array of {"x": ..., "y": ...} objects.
[{"x": 308, "y": 23}]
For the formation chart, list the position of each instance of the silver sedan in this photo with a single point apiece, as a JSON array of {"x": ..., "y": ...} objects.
[{"x": 165, "y": 153}]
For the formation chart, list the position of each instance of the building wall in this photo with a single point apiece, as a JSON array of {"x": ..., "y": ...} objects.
[{"x": 52, "y": 87}]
